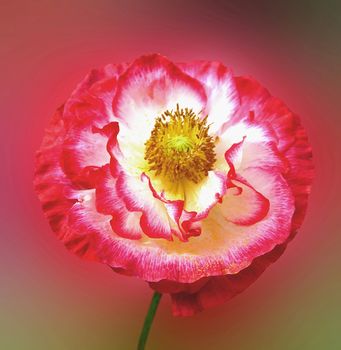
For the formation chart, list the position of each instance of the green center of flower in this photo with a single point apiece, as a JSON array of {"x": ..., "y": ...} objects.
[{"x": 180, "y": 147}]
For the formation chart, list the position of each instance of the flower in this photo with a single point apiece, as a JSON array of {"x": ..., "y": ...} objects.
[{"x": 184, "y": 175}]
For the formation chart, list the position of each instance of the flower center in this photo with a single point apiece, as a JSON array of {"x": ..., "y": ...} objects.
[{"x": 180, "y": 147}]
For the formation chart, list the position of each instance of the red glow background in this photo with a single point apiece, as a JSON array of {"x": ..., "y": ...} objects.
[{"x": 50, "y": 299}]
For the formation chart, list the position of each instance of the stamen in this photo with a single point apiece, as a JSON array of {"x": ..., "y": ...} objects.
[{"x": 180, "y": 147}]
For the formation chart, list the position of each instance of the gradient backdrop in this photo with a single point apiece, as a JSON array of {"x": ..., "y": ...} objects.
[{"x": 50, "y": 299}]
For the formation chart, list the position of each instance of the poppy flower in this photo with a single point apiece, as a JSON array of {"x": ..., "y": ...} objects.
[{"x": 184, "y": 175}]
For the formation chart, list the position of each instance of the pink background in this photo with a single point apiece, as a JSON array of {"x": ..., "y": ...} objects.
[{"x": 50, "y": 299}]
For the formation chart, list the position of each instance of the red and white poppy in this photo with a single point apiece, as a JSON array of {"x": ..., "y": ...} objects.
[{"x": 184, "y": 175}]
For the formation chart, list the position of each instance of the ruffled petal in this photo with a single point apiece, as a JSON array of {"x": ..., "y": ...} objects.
[
  {"x": 86, "y": 114},
  {"x": 243, "y": 205},
  {"x": 89, "y": 233},
  {"x": 124, "y": 223},
  {"x": 201, "y": 197},
  {"x": 50, "y": 181},
  {"x": 243, "y": 243},
  {"x": 222, "y": 95},
  {"x": 191, "y": 203},
  {"x": 292, "y": 141},
  {"x": 174, "y": 208},
  {"x": 137, "y": 196},
  {"x": 84, "y": 148},
  {"x": 91, "y": 101},
  {"x": 128, "y": 152},
  {"x": 149, "y": 87}
]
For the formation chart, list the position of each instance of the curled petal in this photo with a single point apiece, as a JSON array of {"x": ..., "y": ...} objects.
[
  {"x": 85, "y": 116},
  {"x": 292, "y": 139},
  {"x": 243, "y": 205},
  {"x": 137, "y": 196},
  {"x": 194, "y": 203},
  {"x": 201, "y": 197},
  {"x": 233, "y": 157},
  {"x": 124, "y": 223},
  {"x": 174, "y": 207}
]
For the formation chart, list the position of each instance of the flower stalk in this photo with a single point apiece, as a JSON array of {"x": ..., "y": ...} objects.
[{"x": 149, "y": 320}]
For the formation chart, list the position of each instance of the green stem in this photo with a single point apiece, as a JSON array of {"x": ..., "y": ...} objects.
[{"x": 149, "y": 320}]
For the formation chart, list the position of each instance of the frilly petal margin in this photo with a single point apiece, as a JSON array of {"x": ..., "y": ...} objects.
[
  {"x": 50, "y": 182},
  {"x": 243, "y": 205},
  {"x": 124, "y": 223},
  {"x": 137, "y": 196},
  {"x": 293, "y": 142},
  {"x": 85, "y": 114}
]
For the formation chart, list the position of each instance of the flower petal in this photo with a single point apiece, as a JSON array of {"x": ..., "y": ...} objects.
[
  {"x": 149, "y": 87},
  {"x": 174, "y": 207},
  {"x": 124, "y": 222},
  {"x": 292, "y": 139},
  {"x": 85, "y": 115},
  {"x": 222, "y": 95},
  {"x": 248, "y": 146},
  {"x": 245, "y": 242},
  {"x": 91, "y": 101},
  {"x": 50, "y": 182},
  {"x": 137, "y": 196},
  {"x": 219, "y": 289},
  {"x": 83, "y": 148},
  {"x": 201, "y": 197},
  {"x": 243, "y": 205}
]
